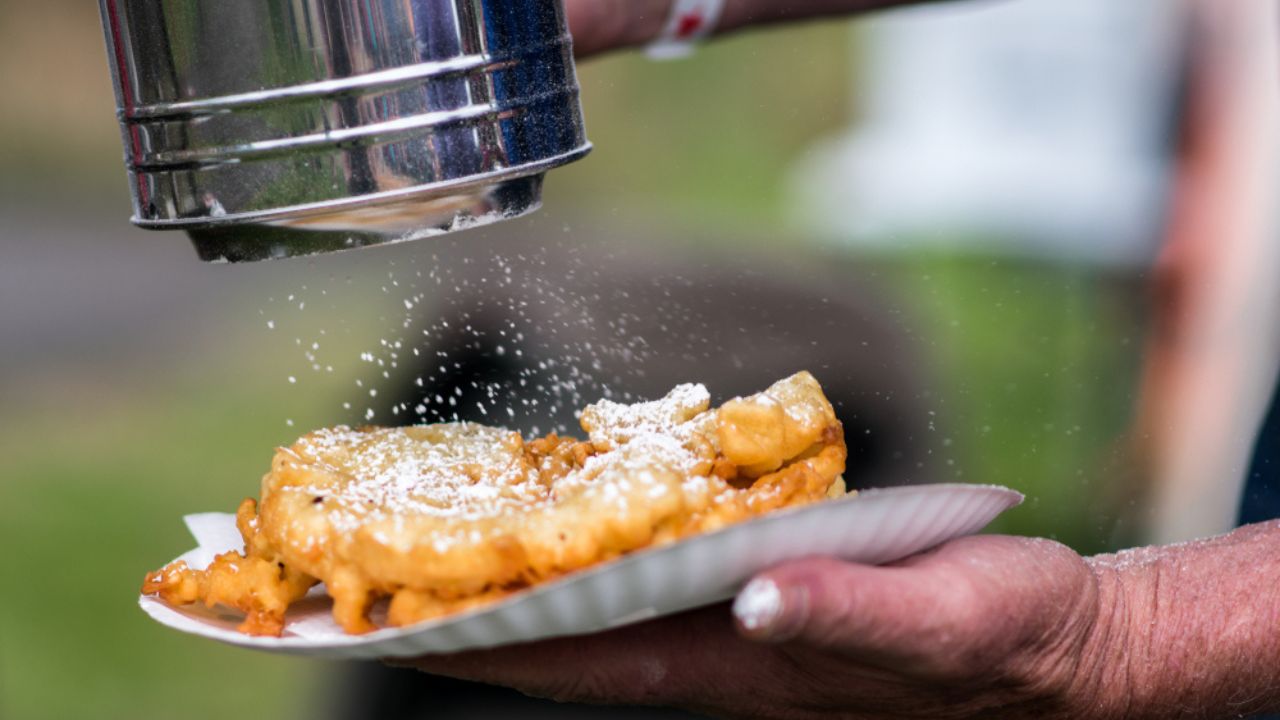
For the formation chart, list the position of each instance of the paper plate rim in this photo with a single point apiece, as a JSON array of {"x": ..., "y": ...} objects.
[{"x": 172, "y": 617}]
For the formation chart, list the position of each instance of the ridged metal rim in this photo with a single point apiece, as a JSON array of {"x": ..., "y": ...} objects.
[
  {"x": 449, "y": 187},
  {"x": 380, "y": 80},
  {"x": 363, "y": 135}
]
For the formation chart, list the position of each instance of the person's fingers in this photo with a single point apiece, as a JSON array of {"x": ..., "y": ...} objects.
[
  {"x": 601, "y": 25},
  {"x": 691, "y": 660},
  {"x": 880, "y": 615},
  {"x": 939, "y": 613},
  {"x": 589, "y": 25}
]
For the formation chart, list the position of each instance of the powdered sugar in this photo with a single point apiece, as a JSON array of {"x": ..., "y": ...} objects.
[
  {"x": 464, "y": 471},
  {"x": 610, "y": 423},
  {"x": 459, "y": 470},
  {"x": 493, "y": 338}
]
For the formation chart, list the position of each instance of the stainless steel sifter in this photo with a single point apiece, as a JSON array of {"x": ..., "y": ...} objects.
[{"x": 278, "y": 128}]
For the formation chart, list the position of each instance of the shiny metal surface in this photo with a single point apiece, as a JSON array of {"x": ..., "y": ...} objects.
[{"x": 274, "y": 128}]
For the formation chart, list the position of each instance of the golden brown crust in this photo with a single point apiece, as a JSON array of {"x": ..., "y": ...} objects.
[
  {"x": 257, "y": 585},
  {"x": 447, "y": 517}
]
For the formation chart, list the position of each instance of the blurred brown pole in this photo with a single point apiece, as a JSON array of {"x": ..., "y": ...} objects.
[{"x": 1211, "y": 359}]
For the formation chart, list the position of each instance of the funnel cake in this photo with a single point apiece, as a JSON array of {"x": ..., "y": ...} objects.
[{"x": 442, "y": 518}]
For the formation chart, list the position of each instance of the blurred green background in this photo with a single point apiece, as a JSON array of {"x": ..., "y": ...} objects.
[{"x": 136, "y": 385}]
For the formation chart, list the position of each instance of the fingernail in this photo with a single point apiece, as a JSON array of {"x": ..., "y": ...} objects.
[{"x": 765, "y": 612}]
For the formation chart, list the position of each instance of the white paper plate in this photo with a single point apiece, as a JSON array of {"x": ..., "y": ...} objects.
[{"x": 874, "y": 526}]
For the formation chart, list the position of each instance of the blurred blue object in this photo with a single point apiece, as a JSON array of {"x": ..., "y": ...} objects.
[{"x": 1262, "y": 491}]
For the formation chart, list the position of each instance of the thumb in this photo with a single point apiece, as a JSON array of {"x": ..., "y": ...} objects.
[{"x": 885, "y": 616}]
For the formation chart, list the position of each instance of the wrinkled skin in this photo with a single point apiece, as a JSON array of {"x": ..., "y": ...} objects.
[{"x": 982, "y": 627}]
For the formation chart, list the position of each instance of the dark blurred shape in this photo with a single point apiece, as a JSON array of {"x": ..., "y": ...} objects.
[
  {"x": 370, "y": 690},
  {"x": 1262, "y": 487},
  {"x": 636, "y": 322}
]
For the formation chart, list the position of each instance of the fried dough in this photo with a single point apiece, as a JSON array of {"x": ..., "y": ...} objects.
[{"x": 442, "y": 518}]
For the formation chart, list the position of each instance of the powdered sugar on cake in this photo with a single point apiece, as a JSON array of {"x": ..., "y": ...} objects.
[{"x": 465, "y": 471}]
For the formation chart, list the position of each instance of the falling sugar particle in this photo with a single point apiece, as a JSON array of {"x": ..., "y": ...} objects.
[{"x": 573, "y": 357}]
